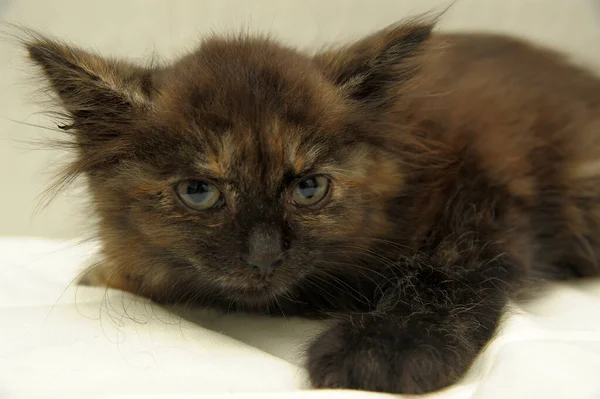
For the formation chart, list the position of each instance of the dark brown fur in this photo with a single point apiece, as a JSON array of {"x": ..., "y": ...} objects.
[{"x": 465, "y": 170}]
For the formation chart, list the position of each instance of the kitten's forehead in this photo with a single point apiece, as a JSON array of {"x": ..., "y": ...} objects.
[
  {"x": 258, "y": 110},
  {"x": 266, "y": 152}
]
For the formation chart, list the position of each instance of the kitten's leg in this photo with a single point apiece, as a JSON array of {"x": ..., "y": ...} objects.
[
  {"x": 102, "y": 275},
  {"x": 427, "y": 330}
]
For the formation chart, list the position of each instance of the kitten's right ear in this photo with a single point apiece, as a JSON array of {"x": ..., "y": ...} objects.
[
  {"x": 96, "y": 92},
  {"x": 367, "y": 69}
]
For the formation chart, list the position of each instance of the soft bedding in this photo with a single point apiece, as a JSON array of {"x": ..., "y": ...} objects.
[{"x": 61, "y": 340}]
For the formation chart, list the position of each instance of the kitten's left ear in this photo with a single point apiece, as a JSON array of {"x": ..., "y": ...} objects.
[
  {"x": 91, "y": 88},
  {"x": 369, "y": 67}
]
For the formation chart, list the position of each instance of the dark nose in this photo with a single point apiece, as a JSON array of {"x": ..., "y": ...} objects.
[
  {"x": 264, "y": 265},
  {"x": 264, "y": 248}
]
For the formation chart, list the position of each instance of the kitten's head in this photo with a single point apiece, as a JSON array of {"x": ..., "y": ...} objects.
[{"x": 245, "y": 168}]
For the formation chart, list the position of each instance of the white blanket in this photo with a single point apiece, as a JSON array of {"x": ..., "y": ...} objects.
[{"x": 60, "y": 340}]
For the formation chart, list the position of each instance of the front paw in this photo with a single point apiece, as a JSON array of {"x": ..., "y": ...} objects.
[{"x": 375, "y": 354}]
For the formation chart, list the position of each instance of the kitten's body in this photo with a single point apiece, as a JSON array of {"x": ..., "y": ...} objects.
[{"x": 463, "y": 169}]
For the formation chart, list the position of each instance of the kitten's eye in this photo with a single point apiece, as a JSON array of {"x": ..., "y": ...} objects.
[
  {"x": 199, "y": 195},
  {"x": 311, "y": 191}
]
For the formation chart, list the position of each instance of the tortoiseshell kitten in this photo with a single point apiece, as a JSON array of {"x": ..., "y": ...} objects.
[{"x": 408, "y": 184}]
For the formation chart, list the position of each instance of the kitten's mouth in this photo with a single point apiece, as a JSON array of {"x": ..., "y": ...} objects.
[
  {"x": 256, "y": 288},
  {"x": 248, "y": 284},
  {"x": 263, "y": 284}
]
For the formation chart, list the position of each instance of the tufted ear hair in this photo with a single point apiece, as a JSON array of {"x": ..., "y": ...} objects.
[
  {"x": 101, "y": 101},
  {"x": 367, "y": 68},
  {"x": 99, "y": 95}
]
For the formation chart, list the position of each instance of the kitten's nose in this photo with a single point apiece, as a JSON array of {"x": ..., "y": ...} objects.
[
  {"x": 265, "y": 265},
  {"x": 264, "y": 247}
]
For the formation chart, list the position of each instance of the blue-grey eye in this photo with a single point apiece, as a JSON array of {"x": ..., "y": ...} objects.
[
  {"x": 199, "y": 195},
  {"x": 311, "y": 191}
]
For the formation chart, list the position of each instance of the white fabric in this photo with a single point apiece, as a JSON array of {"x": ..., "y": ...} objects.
[{"x": 60, "y": 340}]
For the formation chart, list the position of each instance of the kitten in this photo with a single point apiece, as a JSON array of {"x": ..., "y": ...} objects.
[{"x": 409, "y": 184}]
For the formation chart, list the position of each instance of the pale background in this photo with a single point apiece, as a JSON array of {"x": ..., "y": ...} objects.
[{"x": 136, "y": 28}]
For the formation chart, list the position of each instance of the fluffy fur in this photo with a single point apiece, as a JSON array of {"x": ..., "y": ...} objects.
[{"x": 464, "y": 170}]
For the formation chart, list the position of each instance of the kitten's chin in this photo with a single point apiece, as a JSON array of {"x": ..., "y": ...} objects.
[{"x": 257, "y": 296}]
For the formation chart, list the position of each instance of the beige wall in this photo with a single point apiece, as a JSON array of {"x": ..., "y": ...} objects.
[{"x": 134, "y": 28}]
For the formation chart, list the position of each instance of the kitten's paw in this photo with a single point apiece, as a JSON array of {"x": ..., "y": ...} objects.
[{"x": 374, "y": 354}]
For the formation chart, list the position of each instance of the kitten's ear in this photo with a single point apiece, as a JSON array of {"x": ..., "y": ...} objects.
[
  {"x": 368, "y": 67},
  {"x": 92, "y": 89}
]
